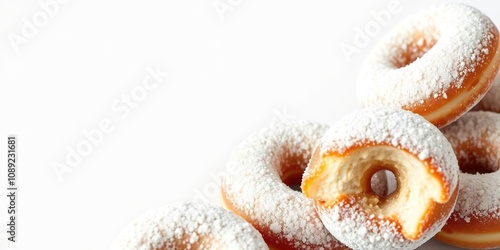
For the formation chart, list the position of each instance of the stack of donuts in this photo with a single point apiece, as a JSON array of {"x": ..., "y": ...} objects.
[{"x": 417, "y": 161}]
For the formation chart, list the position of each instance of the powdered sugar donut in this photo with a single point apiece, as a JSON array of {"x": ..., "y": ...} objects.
[
  {"x": 491, "y": 101},
  {"x": 366, "y": 142},
  {"x": 189, "y": 226},
  {"x": 475, "y": 222},
  {"x": 256, "y": 186},
  {"x": 439, "y": 63}
]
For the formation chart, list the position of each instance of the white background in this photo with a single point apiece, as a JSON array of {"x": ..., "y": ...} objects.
[{"x": 230, "y": 74}]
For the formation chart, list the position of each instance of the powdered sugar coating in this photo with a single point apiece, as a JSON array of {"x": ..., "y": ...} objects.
[
  {"x": 479, "y": 195},
  {"x": 364, "y": 231},
  {"x": 397, "y": 128},
  {"x": 491, "y": 101},
  {"x": 462, "y": 35},
  {"x": 189, "y": 226},
  {"x": 253, "y": 185}
]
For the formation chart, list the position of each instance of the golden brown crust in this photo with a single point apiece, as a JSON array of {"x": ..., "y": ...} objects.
[{"x": 466, "y": 235}]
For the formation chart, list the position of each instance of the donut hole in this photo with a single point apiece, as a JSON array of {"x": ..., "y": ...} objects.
[
  {"x": 291, "y": 167},
  {"x": 476, "y": 167},
  {"x": 380, "y": 175},
  {"x": 377, "y": 187},
  {"x": 415, "y": 47},
  {"x": 293, "y": 177},
  {"x": 478, "y": 159}
]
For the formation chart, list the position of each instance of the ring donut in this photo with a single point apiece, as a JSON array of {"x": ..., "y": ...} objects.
[
  {"x": 475, "y": 222},
  {"x": 491, "y": 101},
  {"x": 439, "y": 63},
  {"x": 366, "y": 142},
  {"x": 257, "y": 186},
  {"x": 189, "y": 226}
]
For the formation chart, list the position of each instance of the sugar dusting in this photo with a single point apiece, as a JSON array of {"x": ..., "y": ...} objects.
[
  {"x": 366, "y": 231},
  {"x": 398, "y": 128},
  {"x": 190, "y": 225},
  {"x": 463, "y": 36},
  {"x": 479, "y": 194},
  {"x": 253, "y": 185}
]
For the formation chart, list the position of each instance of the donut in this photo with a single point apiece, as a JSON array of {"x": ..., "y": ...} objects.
[
  {"x": 475, "y": 221},
  {"x": 186, "y": 225},
  {"x": 258, "y": 180},
  {"x": 491, "y": 101},
  {"x": 437, "y": 63},
  {"x": 368, "y": 141}
]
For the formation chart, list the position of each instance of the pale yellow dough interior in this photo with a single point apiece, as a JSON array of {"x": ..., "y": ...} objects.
[{"x": 416, "y": 189}]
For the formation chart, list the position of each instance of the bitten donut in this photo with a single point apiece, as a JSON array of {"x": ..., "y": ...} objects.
[
  {"x": 189, "y": 226},
  {"x": 475, "y": 222},
  {"x": 439, "y": 63},
  {"x": 364, "y": 143},
  {"x": 256, "y": 186},
  {"x": 491, "y": 101}
]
